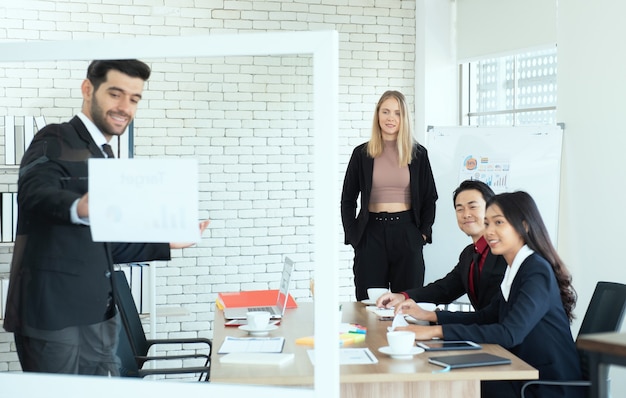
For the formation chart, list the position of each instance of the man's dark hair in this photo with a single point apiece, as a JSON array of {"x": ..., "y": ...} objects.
[
  {"x": 480, "y": 186},
  {"x": 98, "y": 69}
]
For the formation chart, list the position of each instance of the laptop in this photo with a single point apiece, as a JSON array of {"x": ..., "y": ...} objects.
[{"x": 276, "y": 311}]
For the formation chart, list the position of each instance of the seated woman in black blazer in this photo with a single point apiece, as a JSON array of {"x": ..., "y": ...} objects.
[{"x": 532, "y": 313}]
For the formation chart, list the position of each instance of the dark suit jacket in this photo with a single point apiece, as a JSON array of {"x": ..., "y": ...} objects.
[
  {"x": 59, "y": 276},
  {"x": 455, "y": 283},
  {"x": 358, "y": 180},
  {"x": 532, "y": 324}
]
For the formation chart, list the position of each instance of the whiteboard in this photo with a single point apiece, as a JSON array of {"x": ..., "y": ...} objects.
[{"x": 508, "y": 159}]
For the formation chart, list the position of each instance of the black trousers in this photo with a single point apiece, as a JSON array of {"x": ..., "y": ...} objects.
[
  {"x": 389, "y": 254},
  {"x": 85, "y": 349}
]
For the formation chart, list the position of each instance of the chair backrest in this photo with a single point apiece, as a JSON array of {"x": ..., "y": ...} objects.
[
  {"x": 604, "y": 314},
  {"x": 128, "y": 364},
  {"x": 129, "y": 314}
]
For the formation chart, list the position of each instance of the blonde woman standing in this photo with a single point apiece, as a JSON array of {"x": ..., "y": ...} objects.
[{"x": 392, "y": 174}]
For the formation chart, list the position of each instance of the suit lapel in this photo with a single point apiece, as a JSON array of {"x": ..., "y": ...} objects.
[
  {"x": 368, "y": 167},
  {"x": 490, "y": 262},
  {"x": 84, "y": 135},
  {"x": 488, "y": 266}
]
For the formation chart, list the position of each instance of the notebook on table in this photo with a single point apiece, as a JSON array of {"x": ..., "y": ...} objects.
[
  {"x": 277, "y": 310},
  {"x": 469, "y": 360}
]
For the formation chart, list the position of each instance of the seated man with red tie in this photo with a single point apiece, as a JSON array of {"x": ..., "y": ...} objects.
[{"x": 478, "y": 272}]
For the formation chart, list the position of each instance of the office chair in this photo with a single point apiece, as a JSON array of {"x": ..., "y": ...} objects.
[
  {"x": 136, "y": 337},
  {"x": 604, "y": 314},
  {"x": 129, "y": 367}
]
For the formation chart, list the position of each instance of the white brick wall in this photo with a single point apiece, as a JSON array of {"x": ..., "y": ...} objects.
[{"x": 247, "y": 120}]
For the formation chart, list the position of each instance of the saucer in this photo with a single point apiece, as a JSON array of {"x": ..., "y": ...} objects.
[
  {"x": 258, "y": 332},
  {"x": 369, "y": 302},
  {"x": 408, "y": 355}
]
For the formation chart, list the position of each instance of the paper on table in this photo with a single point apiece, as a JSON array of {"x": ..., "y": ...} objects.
[
  {"x": 351, "y": 356},
  {"x": 410, "y": 319},
  {"x": 257, "y": 358},
  {"x": 143, "y": 200},
  {"x": 398, "y": 321},
  {"x": 252, "y": 344},
  {"x": 383, "y": 312}
]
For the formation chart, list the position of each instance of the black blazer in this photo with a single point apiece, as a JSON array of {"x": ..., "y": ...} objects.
[
  {"x": 532, "y": 324},
  {"x": 358, "y": 180},
  {"x": 59, "y": 276},
  {"x": 456, "y": 282}
]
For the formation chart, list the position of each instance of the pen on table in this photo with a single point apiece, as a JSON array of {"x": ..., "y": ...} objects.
[{"x": 369, "y": 356}]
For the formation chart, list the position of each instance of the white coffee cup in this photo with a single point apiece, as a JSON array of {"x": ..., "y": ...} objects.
[
  {"x": 258, "y": 320},
  {"x": 373, "y": 293},
  {"x": 401, "y": 342}
]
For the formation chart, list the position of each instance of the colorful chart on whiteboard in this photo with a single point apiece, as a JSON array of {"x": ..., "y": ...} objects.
[{"x": 492, "y": 170}]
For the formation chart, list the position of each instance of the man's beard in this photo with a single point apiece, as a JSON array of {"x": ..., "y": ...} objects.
[{"x": 99, "y": 119}]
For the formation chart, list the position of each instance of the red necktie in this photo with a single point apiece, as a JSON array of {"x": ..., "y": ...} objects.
[{"x": 476, "y": 273}]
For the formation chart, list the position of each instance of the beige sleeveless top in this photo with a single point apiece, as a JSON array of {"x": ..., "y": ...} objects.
[{"x": 390, "y": 183}]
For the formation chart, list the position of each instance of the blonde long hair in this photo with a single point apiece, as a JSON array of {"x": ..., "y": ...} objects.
[{"x": 405, "y": 136}]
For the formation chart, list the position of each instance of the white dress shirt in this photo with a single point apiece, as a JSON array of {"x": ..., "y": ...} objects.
[{"x": 511, "y": 270}]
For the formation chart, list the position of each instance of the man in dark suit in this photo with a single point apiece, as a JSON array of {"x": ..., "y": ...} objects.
[
  {"x": 478, "y": 272},
  {"x": 60, "y": 303}
]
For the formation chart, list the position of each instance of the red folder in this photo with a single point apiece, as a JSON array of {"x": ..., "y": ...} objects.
[{"x": 251, "y": 298}]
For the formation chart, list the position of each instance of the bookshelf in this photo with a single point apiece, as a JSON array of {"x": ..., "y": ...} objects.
[
  {"x": 137, "y": 274},
  {"x": 18, "y": 134}
]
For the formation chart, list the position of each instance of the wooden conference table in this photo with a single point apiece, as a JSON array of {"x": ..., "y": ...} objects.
[
  {"x": 389, "y": 377},
  {"x": 604, "y": 349}
]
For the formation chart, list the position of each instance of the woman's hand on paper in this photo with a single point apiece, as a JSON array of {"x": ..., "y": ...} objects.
[{"x": 410, "y": 307}]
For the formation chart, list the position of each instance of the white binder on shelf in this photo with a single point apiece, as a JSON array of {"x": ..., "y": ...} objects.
[
  {"x": 9, "y": 140},
  {"x": 7, "y": 217}
]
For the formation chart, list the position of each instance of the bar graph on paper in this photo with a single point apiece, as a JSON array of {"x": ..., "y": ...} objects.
[{"x": 493, "y": 171}]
